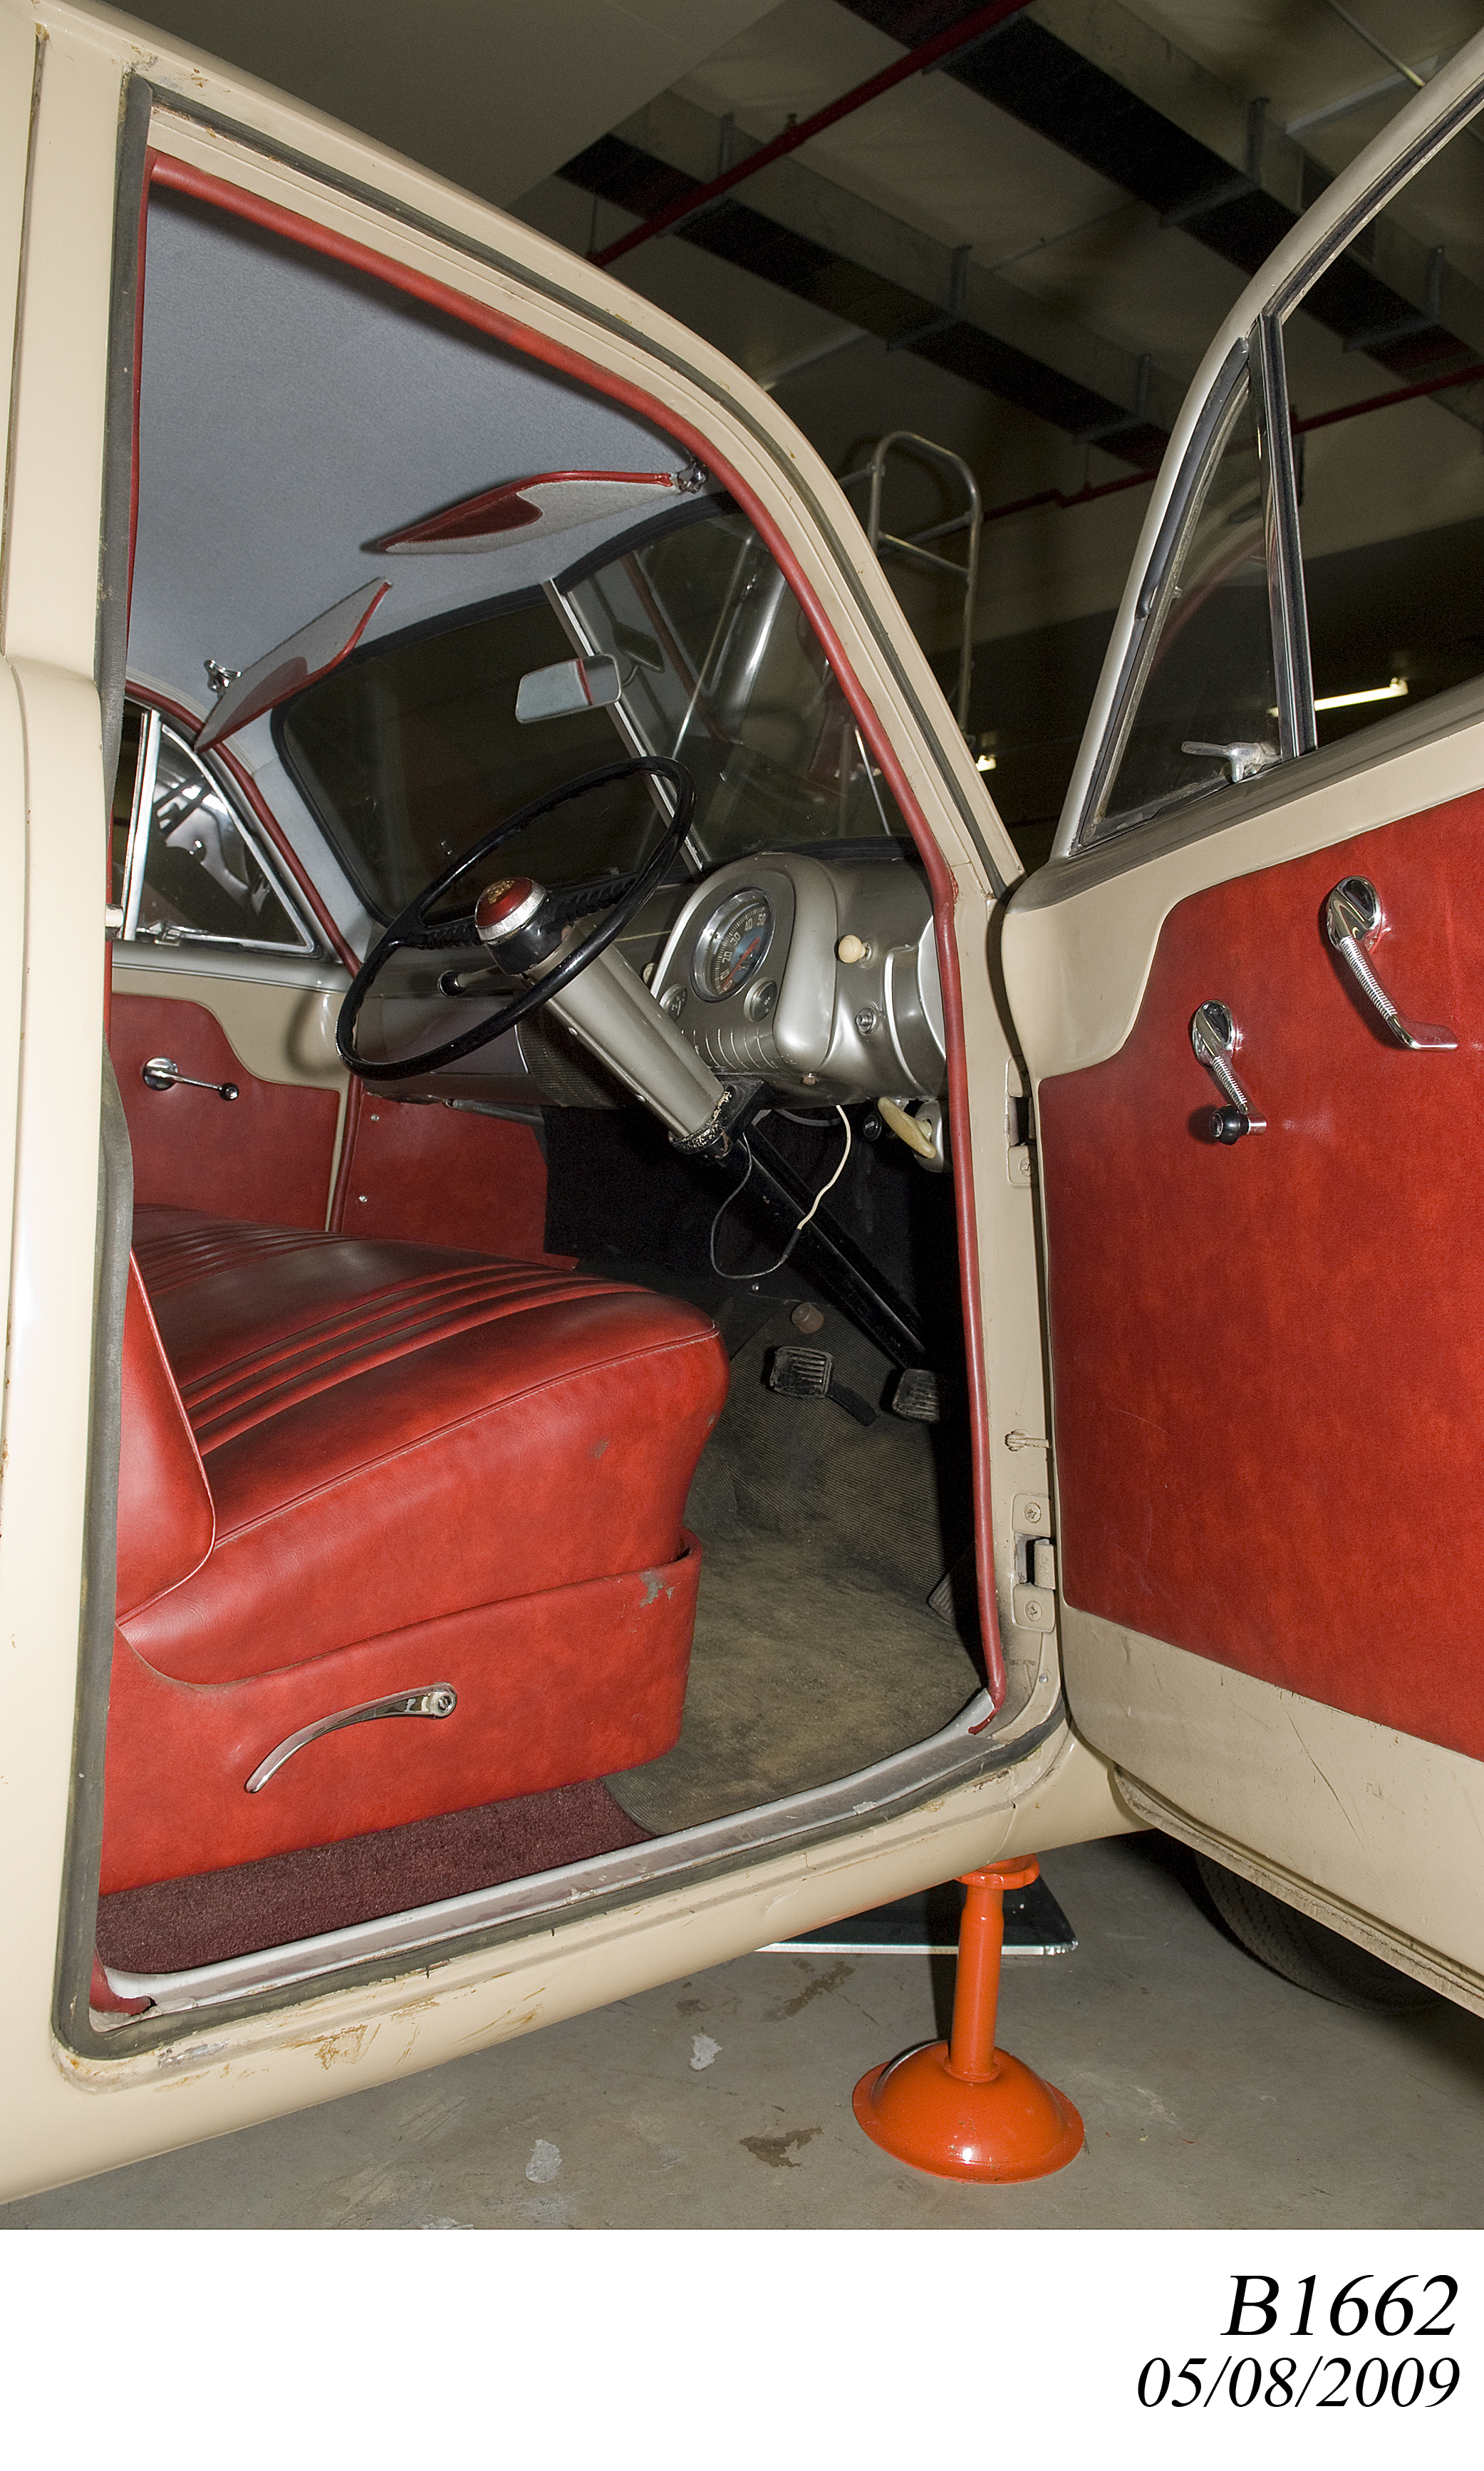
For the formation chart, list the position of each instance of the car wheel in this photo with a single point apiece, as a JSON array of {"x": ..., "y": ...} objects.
[{"x": 1304, "y": 1951}]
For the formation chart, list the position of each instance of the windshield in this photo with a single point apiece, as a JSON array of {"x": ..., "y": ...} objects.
[
  {"x": 410, "y": 750},
  {"x": 722, "y": 670}
]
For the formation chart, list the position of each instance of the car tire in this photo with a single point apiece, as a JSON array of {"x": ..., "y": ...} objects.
[{"x": 1305, "y": 1952}]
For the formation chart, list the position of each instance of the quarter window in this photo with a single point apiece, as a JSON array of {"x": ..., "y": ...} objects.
[
  {"x": 1380, "y": 378},
  {"x": 186, "y": 867},
  {"x": 1204, "y": 711}
]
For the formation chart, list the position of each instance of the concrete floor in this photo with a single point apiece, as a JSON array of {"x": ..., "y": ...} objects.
[{"x": 1215, "y": 2095}]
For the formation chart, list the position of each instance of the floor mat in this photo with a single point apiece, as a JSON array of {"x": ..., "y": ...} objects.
[
  {"x": 178, "y": 1923},
  {"x": 815, "y": 1652}
]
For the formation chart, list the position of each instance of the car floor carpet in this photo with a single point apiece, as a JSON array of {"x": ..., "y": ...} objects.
[
  {"x": 815, "y": 1652},
  {"x": 177, "y": 1923}
]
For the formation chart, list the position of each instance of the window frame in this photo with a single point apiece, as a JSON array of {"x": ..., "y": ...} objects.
[
  {"x": 1257, "y": 360},
  {"x": 1089, "y": 828},
  {"x": 123, "y": 928}
]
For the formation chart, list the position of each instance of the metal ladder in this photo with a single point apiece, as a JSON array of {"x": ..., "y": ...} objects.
[{"x": 913, "y": 546}]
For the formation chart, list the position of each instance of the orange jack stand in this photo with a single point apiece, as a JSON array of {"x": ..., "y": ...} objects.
[{"x": 961, "y": 2109}]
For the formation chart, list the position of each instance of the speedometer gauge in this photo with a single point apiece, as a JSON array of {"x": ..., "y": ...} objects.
[{"x": 731, "y": 945}]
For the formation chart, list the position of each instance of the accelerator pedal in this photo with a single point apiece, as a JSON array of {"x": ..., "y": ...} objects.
[{"x": 917, "y": 1396}]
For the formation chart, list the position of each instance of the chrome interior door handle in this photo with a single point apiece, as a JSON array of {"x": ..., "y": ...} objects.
[
  {"x": 161, "y": 1074},
  {"x": 1351, "y": 915},
  {"x": 438, "y": 1699},
  {"x": 1216, "y": 1038}
]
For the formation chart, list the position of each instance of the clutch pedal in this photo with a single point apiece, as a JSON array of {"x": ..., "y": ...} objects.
[{"x": 809, "y": 1373}]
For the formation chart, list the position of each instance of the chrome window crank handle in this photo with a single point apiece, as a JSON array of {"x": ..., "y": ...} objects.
[
  {"x": 1215, "y": 1037},
  {"x": 161, "y": 1074},
  {"x": 1352, "y": 916}
]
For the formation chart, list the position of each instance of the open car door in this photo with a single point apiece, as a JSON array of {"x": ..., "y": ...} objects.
[{"x": 1249, "y": 987}]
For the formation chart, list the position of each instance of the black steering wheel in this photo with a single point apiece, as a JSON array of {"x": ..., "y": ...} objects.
[{"x": 412, "y": 933}]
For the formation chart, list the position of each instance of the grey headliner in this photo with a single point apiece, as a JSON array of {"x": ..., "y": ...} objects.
[{"x": 291, "y": 411}]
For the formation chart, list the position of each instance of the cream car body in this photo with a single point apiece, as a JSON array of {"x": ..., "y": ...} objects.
[{"x": 1371, "y": 1830}]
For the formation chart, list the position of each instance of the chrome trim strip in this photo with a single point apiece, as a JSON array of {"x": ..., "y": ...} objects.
[
  {"x": 957, "y": 1755},
  {"x": 1298, "y": 731},
  {"x": 141, "y": 815}
]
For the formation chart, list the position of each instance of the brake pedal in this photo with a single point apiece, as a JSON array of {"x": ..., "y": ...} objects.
[
  {"x": 916, "y": 1396},
  {"x": 809, "y": 1373}
]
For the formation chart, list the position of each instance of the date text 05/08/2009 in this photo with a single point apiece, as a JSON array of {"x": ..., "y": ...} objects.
[{"x": 1399, "y": 2316}]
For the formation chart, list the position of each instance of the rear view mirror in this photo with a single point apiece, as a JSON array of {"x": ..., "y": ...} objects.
[{"x": 566, "y": 686}]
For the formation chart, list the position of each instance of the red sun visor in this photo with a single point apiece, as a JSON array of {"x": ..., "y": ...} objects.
[{"x": 553, "y": 502}]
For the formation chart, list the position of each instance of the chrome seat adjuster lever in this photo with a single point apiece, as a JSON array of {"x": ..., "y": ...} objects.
[
  {"x": 1352, "y": 916},
  {"x": 435, "y": 1698},
  {"x": 1215, "y": 1037}
]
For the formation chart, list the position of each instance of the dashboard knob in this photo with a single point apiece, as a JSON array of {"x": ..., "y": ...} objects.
[{"x": 851, "y": 949}]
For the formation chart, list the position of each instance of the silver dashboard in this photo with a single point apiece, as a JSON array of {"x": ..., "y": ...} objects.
[
  {"x": 811, "y": 977},
  {"x": 750, "y": 970}
]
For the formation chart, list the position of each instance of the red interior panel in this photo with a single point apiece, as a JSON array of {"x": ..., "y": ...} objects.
[
  {"x": 432, "y": 1175},
  {"x": 553, "y": 1688},
  {"x": 262, "y": 1155},
  {"x": 1269, "y": 1358}
]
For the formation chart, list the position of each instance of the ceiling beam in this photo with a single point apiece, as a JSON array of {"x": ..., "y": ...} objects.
[
  {"x": 1097, "y": 81},
  {"x": 889, "y": 278},
  {"x": 958, "y": 36}
]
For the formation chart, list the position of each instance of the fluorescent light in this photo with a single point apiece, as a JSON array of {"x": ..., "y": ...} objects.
[
  {"x": 1387, "y": 694},
  {"x": 983, "y": 764},
  {"x": 1362, "y": 695}
]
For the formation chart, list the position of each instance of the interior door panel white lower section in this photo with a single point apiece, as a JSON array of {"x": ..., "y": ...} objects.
[
  {"x": 1389, "y": 1825},
  {"x": 1455, "y": 1982}
]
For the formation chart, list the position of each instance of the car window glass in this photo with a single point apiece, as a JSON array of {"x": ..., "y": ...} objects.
[
  {"x": 1389, "y": 436},
  {"x": 722, "y": 669},
  {"x": 410, "y": 752},
  {"x": 184, "y": 865},
  {"x": 1204, "y": 713}
]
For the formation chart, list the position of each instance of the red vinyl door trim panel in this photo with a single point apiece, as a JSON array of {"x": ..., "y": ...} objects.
[
  {"x": 1269, "y": 1359},
  {"x": 264, "y": 1154}
]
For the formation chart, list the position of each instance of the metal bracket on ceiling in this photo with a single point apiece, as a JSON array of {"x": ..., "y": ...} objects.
[
  {"x": 952, "y": 316},
  {"x": 1136, "y": 419},
  {"x": 1241, "y": 184}
]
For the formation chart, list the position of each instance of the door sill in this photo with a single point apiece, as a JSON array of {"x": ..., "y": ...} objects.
[{"x": 954, "y": 1756}]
